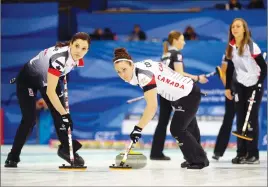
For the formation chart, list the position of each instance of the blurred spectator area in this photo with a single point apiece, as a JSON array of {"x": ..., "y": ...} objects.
[
  {"x": 103, "y": 34},
  {"x": 190, "y": 34},
  {"x": 89, "y": 5},
  {"x": 148, "y": 5},
  {"x": 172, "y": 5}
]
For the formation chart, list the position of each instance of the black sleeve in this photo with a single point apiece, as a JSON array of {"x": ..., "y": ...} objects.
[
  {"x": 148, "y": 87},
  {"x": 229, "y": 74},
  {"x": 146, "y": 79},
  {"x": 260, "y": 61},
  {"x": 151, "y": 85},
  {"x": 177, "y": 57}
]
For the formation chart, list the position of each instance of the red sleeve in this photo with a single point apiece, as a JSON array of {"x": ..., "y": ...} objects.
[{"x": 54, "y": 72}]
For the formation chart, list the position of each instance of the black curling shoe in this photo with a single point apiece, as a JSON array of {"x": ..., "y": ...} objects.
[
  {"x": 78, "y": 160},
  {"x": 12, "y": 161}
]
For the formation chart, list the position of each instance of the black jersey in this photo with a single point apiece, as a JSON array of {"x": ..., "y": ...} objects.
[{"x": 171, "y": 57}]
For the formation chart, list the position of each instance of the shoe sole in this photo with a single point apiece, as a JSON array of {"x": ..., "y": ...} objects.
[
  {"x": 6, "y": 166},
  {"x": 196, "y": 167},
  {"x": 256, "y": 162},
  {"x": 215, "y": 158},
  {"x": 240, "y": 163},
  {"x": 159, "y": 159}
]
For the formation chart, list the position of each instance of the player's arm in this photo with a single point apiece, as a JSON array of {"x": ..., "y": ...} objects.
[
  {"x": 54, "y": 72},
  {"x": 223, "y": 70},
  {"x": 150, "y": 97},
  {"x": 178, "y": 67},
  {"x": 258, "y": 57},
  {"x": 197, "y": 78},
  {"x": 229, "y": 76}
]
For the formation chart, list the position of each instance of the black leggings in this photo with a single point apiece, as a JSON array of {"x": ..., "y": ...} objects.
[
  {"x": 161, "y": 128},
  {"x": 185, "y": 112},
  {"x": 242, "y": 96},
  {"x": 26, "y": 94},
  {"x": 226, "y": 127}
]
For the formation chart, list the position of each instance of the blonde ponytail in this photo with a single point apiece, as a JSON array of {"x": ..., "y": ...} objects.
[{"x": 165, "y": 47}]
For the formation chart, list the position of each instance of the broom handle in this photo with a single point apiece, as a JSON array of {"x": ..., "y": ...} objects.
[
  {"x": 66, "y": 101},
  {"x": 251, "y": 101},
  {"x": 126, "y": 154}
]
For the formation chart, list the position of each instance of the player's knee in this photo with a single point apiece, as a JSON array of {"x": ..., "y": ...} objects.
[
  {"x": 175, "y": 132},
  {"x": 177, "y": 127},
  {"x": 29, "y": 120}
]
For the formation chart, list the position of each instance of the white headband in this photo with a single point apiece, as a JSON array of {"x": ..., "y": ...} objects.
[{"x": 123, "y": 59}]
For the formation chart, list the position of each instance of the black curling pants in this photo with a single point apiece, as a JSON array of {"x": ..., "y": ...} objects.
[
  {"x": 226, "y": 127},
  {"x": 161, "y": 128},
  {"x": 242, "y": 96},
  {"x": 185, "y": 112},
  {"x": 26, "y": 93}
]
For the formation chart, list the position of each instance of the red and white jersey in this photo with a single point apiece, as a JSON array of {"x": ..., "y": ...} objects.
[
  {"x": 55, "y": 60},
  {"x": 246, "y": 69},
  {"x": 171, "y": 85}
]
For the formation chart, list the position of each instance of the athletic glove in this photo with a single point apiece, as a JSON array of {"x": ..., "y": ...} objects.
[
  {"x": 67, "y": 121},
  {"x": 135, "y": 135},
  {"x": 257, "y": 87}
]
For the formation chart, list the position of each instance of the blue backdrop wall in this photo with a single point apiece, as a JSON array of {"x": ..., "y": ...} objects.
[{"x": 98, "y": 97}]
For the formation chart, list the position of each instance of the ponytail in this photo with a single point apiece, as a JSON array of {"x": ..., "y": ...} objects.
[{"x": 165, "y": 47}]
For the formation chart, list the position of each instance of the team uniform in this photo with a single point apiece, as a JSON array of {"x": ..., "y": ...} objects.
[
  {"x": 184, "y": 96},
  {"x": 33, "y": 77},
  {"x": 250, "y": 70},
  {"x": 226, "y": 127},
  {"x": 169, "y": 59}
]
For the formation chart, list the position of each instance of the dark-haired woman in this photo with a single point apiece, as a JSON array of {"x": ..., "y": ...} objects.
[
  {"x": 184, "y": 95},
  {"x": 43, "y": 73},
  {"x": 245, "y": 58}
]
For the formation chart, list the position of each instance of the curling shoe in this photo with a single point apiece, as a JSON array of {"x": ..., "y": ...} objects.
[
  {"x": 185, "y": 164},
  {"x": 198, "y": 165},
  {"x": 162, "y": 157},
  {"x": 239, "y": 160},
  {"x": 252, "y": 160},
  {"x": 78, "y": 160},
  {"x": 12, "y": 161}
]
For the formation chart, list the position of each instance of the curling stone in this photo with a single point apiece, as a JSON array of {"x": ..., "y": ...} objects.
[{"x": 135, "y": 160}]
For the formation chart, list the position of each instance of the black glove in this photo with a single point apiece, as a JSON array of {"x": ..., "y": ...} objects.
[
  {"x": 257, "y": 87},
  {"x": 67, "y": 121},
  {"x": 135, "y": 134}
]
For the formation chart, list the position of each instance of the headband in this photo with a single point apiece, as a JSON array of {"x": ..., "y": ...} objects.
[{"x": 123, "y": 59}]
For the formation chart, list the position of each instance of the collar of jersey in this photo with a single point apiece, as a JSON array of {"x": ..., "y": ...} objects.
[
  {"x": 173, "y": 48},
  {"x": 79, "y": 63},
  {"x": 134, "y": 80},
  {"x": 232, "y": 42}
]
